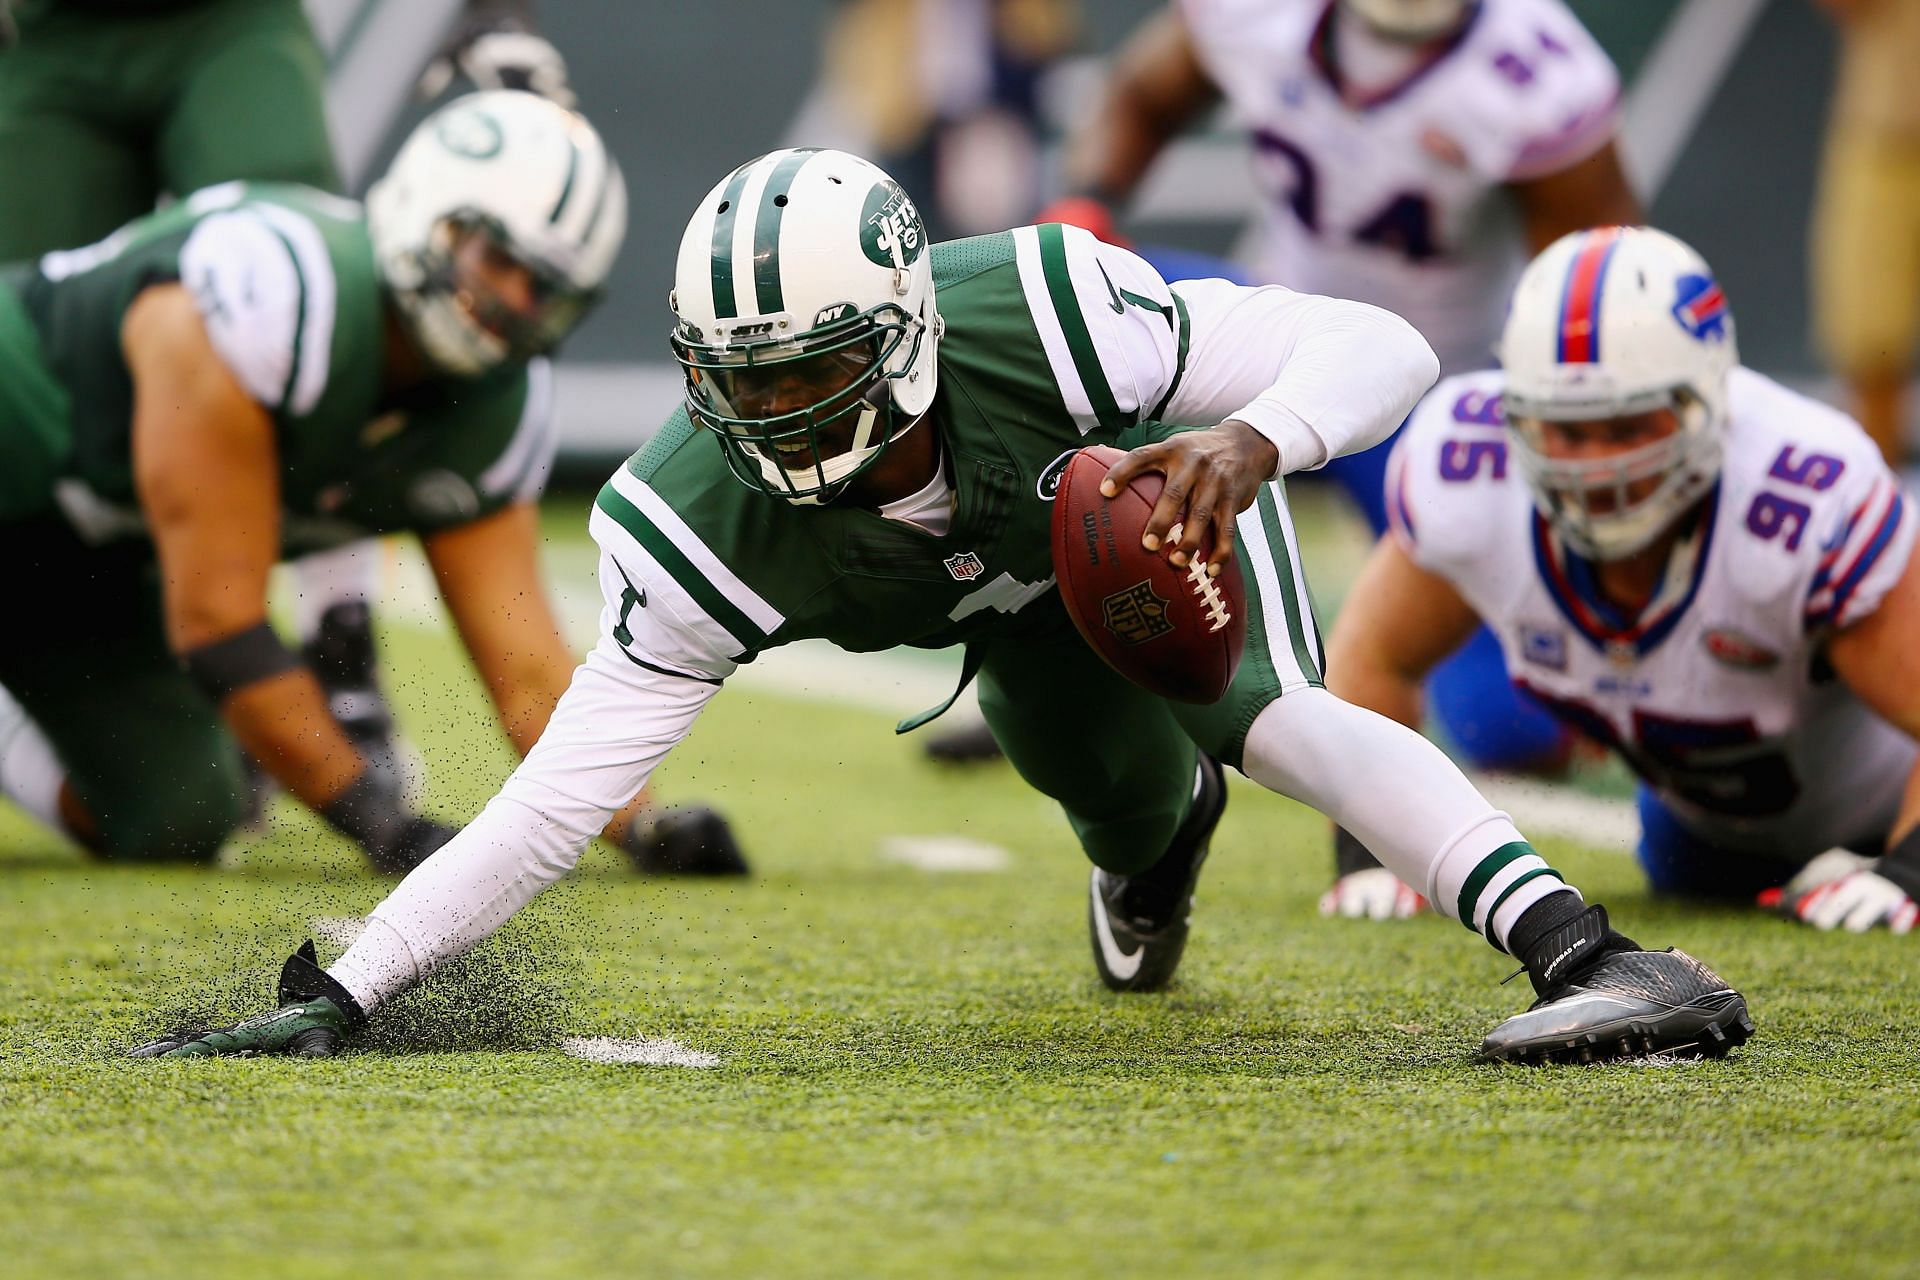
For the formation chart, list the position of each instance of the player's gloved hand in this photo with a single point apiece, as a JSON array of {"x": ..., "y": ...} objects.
[
  {"x": 692, "y": 841},
  {"x": 1373, "y": 894},
  {"x": 496, "y": 57},
  {"x": 315, "y": 1019},
  {"x": 1088, "y": 212},
  {"x": 1857, "y": 901},
  {"x": 372, "y": 813},
  {"x": 1211, "y": 477},
  {"x": 1362, "y": 888}
]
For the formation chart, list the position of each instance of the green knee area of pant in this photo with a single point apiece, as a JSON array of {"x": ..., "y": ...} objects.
[{"x": 147, "y": 755}]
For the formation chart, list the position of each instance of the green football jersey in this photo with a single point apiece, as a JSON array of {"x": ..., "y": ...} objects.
[
  {"x": 286, "y": 284},
  {"x": 1042, "y": 355}
]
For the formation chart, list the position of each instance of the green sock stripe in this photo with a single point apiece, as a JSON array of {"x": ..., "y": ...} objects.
[
  {"x": 1490, "y": 866},
  {"x": 1507, "y": 892}
]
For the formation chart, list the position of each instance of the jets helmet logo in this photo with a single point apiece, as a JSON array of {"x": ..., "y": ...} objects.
[
  {"x": 891, "y": 234},
  {"x": 1701, "y": 307},
  {"x": 473, "y": 134}
]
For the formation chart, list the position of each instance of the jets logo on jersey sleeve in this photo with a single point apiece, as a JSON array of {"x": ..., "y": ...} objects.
[{"x": 264, "y": 283}]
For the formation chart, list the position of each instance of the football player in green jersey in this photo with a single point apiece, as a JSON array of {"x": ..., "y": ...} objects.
[
  {"x": 873, "y": 431},
  {"x": 108, "y": 105},
  {"x": 260, "y": 369}
]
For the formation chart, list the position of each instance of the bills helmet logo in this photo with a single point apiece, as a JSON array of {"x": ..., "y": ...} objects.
[{"x": 1701, "y": 307}]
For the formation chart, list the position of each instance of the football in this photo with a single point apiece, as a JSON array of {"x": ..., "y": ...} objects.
[{"x": 1173, "y": 631}]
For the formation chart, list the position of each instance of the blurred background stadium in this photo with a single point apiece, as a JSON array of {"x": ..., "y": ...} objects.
[{"x": 1724, "y": 116}]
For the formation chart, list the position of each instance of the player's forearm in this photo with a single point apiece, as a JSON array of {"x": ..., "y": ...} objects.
[
  {"x": 1319, "y": 377},
  {"x": 283, "y": 722},
  {"x": 604, "y": 740},
  {"x": 1108, "y": 157}
]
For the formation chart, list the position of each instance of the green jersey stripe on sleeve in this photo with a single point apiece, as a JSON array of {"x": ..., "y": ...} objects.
[
  {"x": 1073, "y": 326},
  {"x": 285, "y": 402},
  {"x": 661, "y": 548},
  {"x": 1183, "y": 330}
]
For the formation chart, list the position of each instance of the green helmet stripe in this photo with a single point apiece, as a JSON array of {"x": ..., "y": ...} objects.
[
  {"x": 722, "y": 252},
  {"x": 766, "y": 230},
  {"x": 566, "y": 188}
]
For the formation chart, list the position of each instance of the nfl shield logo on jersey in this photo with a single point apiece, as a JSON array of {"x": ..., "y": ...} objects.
[
  {"x": 964, "y": 567},
  {"x": 1701, "y": 307}
]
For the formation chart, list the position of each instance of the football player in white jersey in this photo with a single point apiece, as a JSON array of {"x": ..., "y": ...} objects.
[
  {"x": 1683, "y": 559},
  {"x": 1413, "y": 154}
]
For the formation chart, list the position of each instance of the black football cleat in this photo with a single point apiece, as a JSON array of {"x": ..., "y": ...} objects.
[
  {"x": 1139, "y": 922},
  {"x": 1617, "y": 1003},
  {"x": 690, "y": 841},
  {"x": 970, "y": 744}
]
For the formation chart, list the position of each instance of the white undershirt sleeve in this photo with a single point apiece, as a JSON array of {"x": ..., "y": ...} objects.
[
  {"x": 1320, "y": 377},
  {"x": 615, "y": 724}
]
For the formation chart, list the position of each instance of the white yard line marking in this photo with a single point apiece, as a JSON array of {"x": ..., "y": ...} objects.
[
  {"x": 611, "y": 1051},
  {"x": 946, "y": 854}
]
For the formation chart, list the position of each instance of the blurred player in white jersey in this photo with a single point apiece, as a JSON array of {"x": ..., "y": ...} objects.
[
  {"x": 1683, "y": 559},
  {"x": 1414, "y": 154}
]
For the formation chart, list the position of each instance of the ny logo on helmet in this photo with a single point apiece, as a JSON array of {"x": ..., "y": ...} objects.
[
  {"x": 891, "y": 234},
  {"x": 1701, "y": 307}
]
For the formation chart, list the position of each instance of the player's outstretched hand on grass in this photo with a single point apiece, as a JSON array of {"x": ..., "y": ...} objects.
[
  {"x": 1212, "y": 476},
  {"x": 1857, "y": 901},
  {"x": 315, "y": 1019}
]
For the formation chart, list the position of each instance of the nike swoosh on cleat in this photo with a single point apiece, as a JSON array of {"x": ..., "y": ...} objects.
[{"x": 1121, "y": 964}]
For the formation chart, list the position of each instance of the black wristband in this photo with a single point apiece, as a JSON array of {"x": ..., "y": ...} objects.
[
  {"x": 1901, "y": 864},
  {"x": 1349, "y": 855},
  {"x": 225, "y": 666},
  {"x": 368, "y": 811}
]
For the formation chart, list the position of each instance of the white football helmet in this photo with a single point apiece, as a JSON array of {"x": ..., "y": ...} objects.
[
  {"x": 538, "y": 182},
  {"x": 806, "y": 321},
  {"x": 1606, "y": 323},
  {"x": 1410, "y": 19}
]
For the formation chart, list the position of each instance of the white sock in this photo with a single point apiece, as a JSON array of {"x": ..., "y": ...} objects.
[
  {"x": 31, "y": 775},
  {"x": 342, "y": 575},
  {"x": 1403, "y": 799}
]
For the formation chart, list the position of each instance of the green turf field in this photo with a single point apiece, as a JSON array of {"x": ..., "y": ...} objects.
[{"x": 919, "y": 1074}]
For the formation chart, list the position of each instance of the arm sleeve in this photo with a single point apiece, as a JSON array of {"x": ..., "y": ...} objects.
[
  {"x": 1319, "y": 377},
  {"x": 633, "y": 699}
]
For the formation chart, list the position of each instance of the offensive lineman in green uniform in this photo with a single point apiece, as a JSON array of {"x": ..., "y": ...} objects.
[
  {"x": 857, "y": 463},
  {"x": 264, "y": 368},
  {"x": 106, "y": 106}
]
